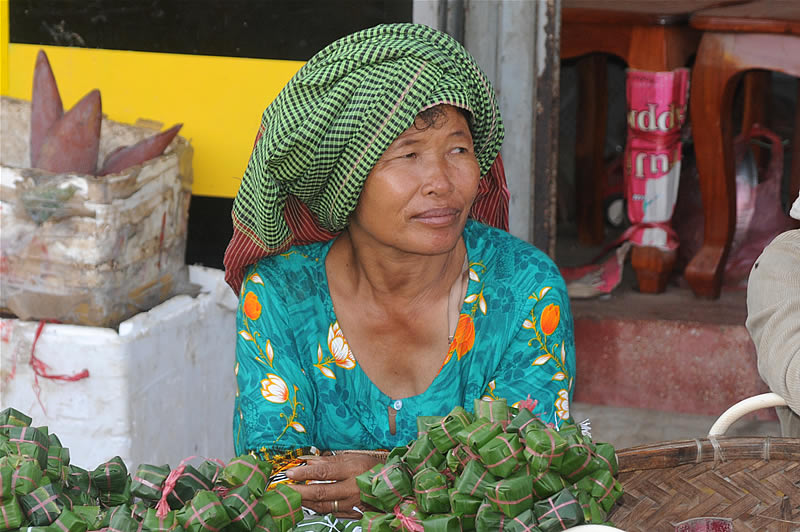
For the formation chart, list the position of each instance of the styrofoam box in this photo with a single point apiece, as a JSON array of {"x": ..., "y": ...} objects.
[{"x": 159, "y": 390}]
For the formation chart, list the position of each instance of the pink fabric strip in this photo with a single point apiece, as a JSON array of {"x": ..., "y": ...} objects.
[
  {"x": 554, "y": 508},
  {"x": 527, "y": 527},
  {"x": 198, "y": 480},
  {"x": 444, "y": 429},
  {"x": 469, "y": 436},
  {"x": 514, "y": 453},
  {"x": 408, "y": 522},
  {"x": 22, "y": 439},
  {"x": 61, "y": 525},
  {"x": 501, "y": 502}
]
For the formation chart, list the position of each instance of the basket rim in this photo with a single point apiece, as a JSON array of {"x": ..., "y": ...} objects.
[{"x": 667, "y": 454}]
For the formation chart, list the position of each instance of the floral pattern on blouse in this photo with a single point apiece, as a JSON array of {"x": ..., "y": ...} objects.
[{"x": 299, "y": 384}]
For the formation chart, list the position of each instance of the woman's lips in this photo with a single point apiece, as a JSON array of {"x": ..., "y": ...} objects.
[{"x": 437, "y": 216}]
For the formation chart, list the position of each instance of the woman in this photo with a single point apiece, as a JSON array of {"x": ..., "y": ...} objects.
[{"x": 381, "y": 157}]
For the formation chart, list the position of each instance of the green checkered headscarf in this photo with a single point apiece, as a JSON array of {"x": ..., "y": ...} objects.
[{"x": 331, "y": 123}]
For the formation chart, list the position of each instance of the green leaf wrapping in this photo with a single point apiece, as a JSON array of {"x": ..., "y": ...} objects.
[
  {"x": 68, "y": 521},
  {"x": 212, "y": 469},
  {"x": 114, "y": 498},
  {"x": 604, "y": 457},
  {"x": 603, "y": 488},
  {"x": 489, "y": 519},
  {"x": 30, "y": 442},
  {"x": 106, "y": 515},
  {"x": 430, "y": 491},
  {"x": 41, "y": 506},
  {"x": 397, "y": 453},
  {"x": 248, "y": 471},
  {"x": 123, "y": 522},
  {"x": 592, "y": 512},
  {"x": 501, "y": 454},
  {"x": 285, "y": 506},
  {"x": 495, "y": 411},
  {"x": 424, "y": 423},
  {"x": 466, "y": 507},
  {"x": 57, "y": 460},
  {"x": 479, "y": 432},
  {"x": 204, "y": 513},
  {"x": 364, "y": 483},
  {"x": 10, "y": 417},
  {"x": 78, "y": 497},
  {"x": 186, "y": 486},
  {"x": 442, "y": 523},
  {"x": 575, "y": 462},
  {"x": 148, "y": 482},
  {"x": 6, "y": 473},
  {"x": 443, "y": 433},
  {"x": 11, "y": 516},
  {"x": 524, "y": 522},
  {"x": 88, "y": 513},
  {"x": 267, "y": 524},
  {"x": 391, "y": 485},
  {"x": 559, "y": 512},
  {"x": 458, "y": 457},
  {"x": 546, "y": 484},
  {"x": 511, "y": 496},
  {"x": 81, "y": 479},
  {"x": 153, "y": 523},
  {"x": 421, "y": 454},
  {"x": 408, "y": 516},
  {"x": 376, "y": 522},
  {"x": 475, "y": 480},
  {"x": 139, "y": 510},
  {"x": 244, "y": 510},
  {"x": 544, "y": 449},
  {"x": 111, "y": 477},
  {"x": 524, "y": 421}
]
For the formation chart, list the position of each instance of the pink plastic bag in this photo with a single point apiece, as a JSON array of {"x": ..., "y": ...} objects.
[
  {"x": 656, "y": 113},
  {"x": 759, "y": 216}
]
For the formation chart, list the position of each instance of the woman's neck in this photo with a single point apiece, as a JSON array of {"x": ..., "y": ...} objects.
[{"x": 388, "y": 275}]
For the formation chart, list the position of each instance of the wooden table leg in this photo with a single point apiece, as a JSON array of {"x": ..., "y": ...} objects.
[
  {"x": 757, "y": 86},
  {"x": 590, "y": 139},
  {"x": 713, "y": 87}
]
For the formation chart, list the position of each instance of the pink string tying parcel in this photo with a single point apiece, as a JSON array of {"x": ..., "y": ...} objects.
[
  {"x": 248, "y": 508},
  {"x": 408, "y": 522},
  {"x": 198, "y": 514},
  {"x": 162, "y": 507},
  {"x": 554, "y": 508}
]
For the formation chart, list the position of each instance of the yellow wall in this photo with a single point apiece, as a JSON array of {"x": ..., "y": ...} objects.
[{"x": 218, "y": 99}]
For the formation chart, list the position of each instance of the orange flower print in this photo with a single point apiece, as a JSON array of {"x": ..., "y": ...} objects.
[
  {"x": 338, "y": 347},
  {"x": 252, "y": 307},
  {"x": 549, "y": 319},
  {"x": 562, "y": 404},
  {"x": 274, "y": 389},
  {"x": 464, "y": 337}
]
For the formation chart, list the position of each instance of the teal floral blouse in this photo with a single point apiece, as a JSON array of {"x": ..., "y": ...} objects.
[{"x": 299, "y": 385}]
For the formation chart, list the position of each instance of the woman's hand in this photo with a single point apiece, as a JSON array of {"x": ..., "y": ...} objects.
[{"x": 338, "y": 491}]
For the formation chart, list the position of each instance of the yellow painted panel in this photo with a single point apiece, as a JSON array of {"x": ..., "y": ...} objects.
[
  {"x": 3, "y": 46},
  {"x": 219, "y": 100}
]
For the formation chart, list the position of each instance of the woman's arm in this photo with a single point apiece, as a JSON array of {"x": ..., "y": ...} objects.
[
  {"x": 538, "y": 366},
  {"x": 275, "y": 401}
]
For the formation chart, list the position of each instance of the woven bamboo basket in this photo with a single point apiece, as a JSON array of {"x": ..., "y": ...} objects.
[{"x": 753, "y": 481}]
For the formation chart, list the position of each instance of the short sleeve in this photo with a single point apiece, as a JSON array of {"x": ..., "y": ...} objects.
[
  {"x": 274, "y": 399},
  {"x": 537, "y": 368}
]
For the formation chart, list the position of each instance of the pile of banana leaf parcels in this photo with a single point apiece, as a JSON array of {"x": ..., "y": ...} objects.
[{"x": 498, "y": 469}]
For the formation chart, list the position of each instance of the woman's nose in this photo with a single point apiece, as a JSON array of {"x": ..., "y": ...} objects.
[{"x": 438, "y": 178}]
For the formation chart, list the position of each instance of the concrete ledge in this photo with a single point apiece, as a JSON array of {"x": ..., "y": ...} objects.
[{"x": 669, "y": 352}]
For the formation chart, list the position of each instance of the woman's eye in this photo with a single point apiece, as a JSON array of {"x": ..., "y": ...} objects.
[
  {"x": 460, "y": 150},
  {"x": 410, "y": 155}
]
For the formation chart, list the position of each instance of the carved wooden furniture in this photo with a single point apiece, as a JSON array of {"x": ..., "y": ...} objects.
[{"x": 762, "y": 35}]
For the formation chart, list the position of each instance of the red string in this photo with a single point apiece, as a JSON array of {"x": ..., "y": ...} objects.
[{"x": 40, "y": 369}]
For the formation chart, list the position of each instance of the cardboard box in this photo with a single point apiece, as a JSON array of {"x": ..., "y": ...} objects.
[{"x": 90, "y": 250}]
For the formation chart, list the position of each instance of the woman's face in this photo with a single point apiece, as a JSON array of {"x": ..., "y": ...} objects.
[{"x": 417, "y": 197}]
